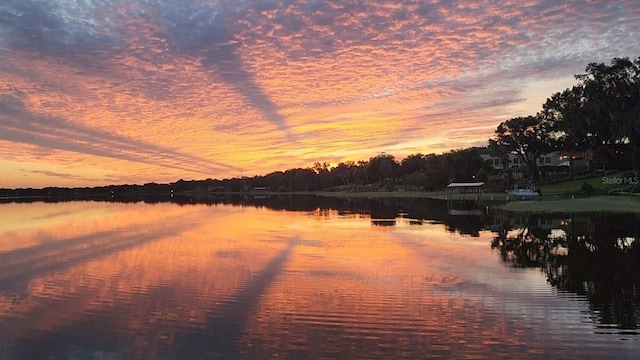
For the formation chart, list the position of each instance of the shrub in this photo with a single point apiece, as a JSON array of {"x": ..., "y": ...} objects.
[{"x": 587, "y": 188}]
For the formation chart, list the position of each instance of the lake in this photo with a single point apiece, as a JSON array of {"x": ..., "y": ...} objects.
[{"x": 313, "y": 278}]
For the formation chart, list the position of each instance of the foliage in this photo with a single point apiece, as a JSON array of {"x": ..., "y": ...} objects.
[
  {"x": 601, "y": 113},
  {"x": 463, "y": 165},
  {"x": 613, "y": 96},
  {"x": 564, "y": 111},
  {"x": 587, "y": 188},
  {"x": 382, "y": 168},
  {"x": 413, "y": 163},
  {"x": 528, "y": 137}
]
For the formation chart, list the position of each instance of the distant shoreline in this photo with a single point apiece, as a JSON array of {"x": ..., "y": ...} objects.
[{"x": 548, "y": 204}]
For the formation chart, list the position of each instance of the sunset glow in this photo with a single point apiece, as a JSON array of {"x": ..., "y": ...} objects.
[{"x": 134, "y": 91}]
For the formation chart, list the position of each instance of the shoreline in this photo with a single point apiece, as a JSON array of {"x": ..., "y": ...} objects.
[{"x": 547, "y": 204}]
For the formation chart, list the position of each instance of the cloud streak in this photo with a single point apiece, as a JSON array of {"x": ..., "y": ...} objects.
[
  {"x": 205, "y": 32},
  {"x": 19, "y": 125}
]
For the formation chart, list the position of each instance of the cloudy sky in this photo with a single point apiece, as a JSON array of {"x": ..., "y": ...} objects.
[{"x": 96, "y": 92}]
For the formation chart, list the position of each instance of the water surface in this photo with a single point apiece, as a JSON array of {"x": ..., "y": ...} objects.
[{"x": 311, "y": 279}]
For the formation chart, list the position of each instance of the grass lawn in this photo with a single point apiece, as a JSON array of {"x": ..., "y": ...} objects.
[
  {"x": 574, "y": 186},
  {"x": 610, "y": 204}
]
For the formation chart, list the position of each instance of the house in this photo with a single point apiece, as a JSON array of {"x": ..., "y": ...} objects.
[
  {"x": 578, "y": 159},
  {"x": 552, "y": 159},
  {"x": 496, "y": 163}
]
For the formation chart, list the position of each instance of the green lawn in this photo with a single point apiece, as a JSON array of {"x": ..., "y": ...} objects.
[
  {"x": 611, "y": 204},
  {"x": 572, "y": 187}
]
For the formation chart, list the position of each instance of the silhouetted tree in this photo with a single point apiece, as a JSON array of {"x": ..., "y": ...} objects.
[
  {"x": 382, "y": 168},
  {"x": 566, "y": 113},
  {"x": 612, "y": 96},
  {"x": 463, "y": 165},
  {"x": 413, "y": 163},
  {"x": 528, "y": 138}
]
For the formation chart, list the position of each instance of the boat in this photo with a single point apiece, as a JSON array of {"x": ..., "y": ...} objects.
[{"x": 524, "y": 192}]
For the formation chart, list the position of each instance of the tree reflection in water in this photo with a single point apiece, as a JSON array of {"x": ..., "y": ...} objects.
[{"x": 596, "y": 256}]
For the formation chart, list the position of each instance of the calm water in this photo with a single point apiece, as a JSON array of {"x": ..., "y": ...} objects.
[{"x": 307, "y": 278}]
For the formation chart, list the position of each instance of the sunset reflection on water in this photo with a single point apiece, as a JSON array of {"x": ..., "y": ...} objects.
[{"x": 166, "y": 281}]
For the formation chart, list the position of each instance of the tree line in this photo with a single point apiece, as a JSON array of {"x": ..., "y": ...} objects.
[{"x": 381, "y": 172}]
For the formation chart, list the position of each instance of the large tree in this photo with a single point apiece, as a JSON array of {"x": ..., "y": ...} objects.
[
  {"x": 567, "y": 118},
  {"x": 612, "y": 97},
  {"x": 413, "y": 163},
  {"x": 463, "y": 165},
  {"x": 382, "y": 168},
  {"x": 527, "y": 137}
]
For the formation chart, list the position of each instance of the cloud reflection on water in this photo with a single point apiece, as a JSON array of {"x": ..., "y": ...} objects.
[{"x": 165, "y": 280}]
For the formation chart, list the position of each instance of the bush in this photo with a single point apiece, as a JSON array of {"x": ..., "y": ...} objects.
[{"x": 587, "y": 188}]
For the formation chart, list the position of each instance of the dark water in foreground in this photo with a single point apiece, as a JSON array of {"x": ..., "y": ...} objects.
[{"x": 307, "y": 278}]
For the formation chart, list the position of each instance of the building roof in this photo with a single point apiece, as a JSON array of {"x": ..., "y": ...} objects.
[{"x": 465, "y": 185}]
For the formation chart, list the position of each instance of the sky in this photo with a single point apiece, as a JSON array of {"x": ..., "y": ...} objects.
[{"x": 97, "y": 92}]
